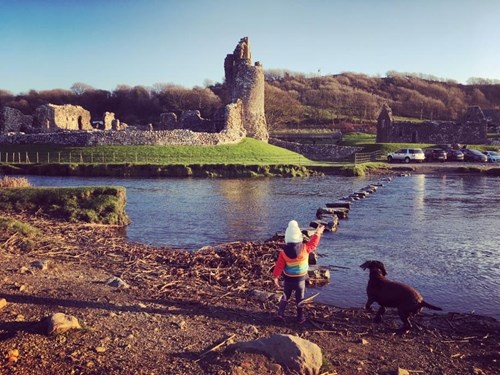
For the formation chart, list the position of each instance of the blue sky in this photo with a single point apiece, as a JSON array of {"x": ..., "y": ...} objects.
[{"x": 48, "y": 44}]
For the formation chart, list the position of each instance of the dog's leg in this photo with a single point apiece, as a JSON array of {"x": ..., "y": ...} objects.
[
  {"x": 380, "y": 312},
  {"x": 369, "y": 303},
  {"x": 405, "y": 318}
]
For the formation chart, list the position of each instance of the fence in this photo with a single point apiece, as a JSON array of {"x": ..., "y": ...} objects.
[
  {"x": 138, "y": 158},
  {"x": 366, "y": 157}
]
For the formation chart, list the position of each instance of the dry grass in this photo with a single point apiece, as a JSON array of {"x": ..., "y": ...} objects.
[{"x": 14, "y": 182}]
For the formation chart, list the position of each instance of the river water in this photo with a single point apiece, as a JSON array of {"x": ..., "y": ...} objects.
[{"x": 438, "y": 233}]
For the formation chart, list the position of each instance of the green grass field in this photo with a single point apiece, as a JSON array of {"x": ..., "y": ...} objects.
[{"x": 249, "y": 151}]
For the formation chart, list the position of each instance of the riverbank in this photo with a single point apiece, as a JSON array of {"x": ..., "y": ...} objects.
[
  {"x": 240, "y": 170},
  {"x": 180, "y": 304}
]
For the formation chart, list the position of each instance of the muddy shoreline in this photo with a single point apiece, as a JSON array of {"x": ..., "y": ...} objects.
[{"x": 179, "y": 304}]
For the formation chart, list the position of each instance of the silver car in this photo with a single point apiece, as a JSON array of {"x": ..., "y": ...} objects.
[{"x": 406, "y": 155}]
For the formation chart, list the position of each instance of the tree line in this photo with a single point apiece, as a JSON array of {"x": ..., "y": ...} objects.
[{"x": 292, "y": 100}]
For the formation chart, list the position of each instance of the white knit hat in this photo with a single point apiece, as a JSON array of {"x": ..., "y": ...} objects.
[{"x": 293, "y": 233}]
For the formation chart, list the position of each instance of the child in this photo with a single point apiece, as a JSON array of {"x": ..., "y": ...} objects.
[{"x": 293, "y": 262}]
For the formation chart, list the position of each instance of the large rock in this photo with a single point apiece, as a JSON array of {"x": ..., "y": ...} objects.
[
  {"x": 296, "y": 354},
  {"x": 60, "y": 323}
]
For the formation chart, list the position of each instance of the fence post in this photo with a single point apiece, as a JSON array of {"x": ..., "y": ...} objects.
[
  {"x": 48, "y": 157},
  {"x": 70, "y": 157},
  {"x": 37, "y": 158},
  {"x": 59, "y": 157},
  {"x": 27, "y": 158}
]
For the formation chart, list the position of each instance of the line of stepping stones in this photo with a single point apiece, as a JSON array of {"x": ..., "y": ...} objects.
[{"x": 329, "y": 216}]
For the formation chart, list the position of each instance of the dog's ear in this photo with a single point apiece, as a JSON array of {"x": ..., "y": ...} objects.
[{"x": 382, "y": 268}]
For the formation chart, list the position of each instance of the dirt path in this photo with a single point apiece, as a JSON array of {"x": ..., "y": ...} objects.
[{"x": 180, "y": 304}]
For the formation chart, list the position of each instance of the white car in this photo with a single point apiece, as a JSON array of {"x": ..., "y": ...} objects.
[{"x": 406, "y": 155}]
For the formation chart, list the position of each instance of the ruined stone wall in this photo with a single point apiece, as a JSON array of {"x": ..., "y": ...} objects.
[
  {"x": 134, "y": 137},
  {"x": 434, "y": 132},
  {"x": 13, "y": 120},
  {"x": 323, "y": 152},
  {"x": 51, "y": 117}
]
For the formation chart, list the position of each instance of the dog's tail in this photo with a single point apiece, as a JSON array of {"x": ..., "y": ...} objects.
[{"x": 429, "y": 306}]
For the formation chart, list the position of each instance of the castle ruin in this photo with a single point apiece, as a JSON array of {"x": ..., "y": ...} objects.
[
  {"x": 471, "y": 129},
  {"x": 245, "y": 84},
  {"x": 51, "y": 117},
  {"x": 242, "y": 115}
]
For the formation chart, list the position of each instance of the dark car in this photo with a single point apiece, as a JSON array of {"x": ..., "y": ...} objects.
[
  {"x": 455, "y": 155},
  {"x": 435, "y": 154},
  {"x": 474, "y": 155}
]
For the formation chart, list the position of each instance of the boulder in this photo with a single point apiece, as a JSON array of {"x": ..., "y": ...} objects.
[
  {"x": 60, "y": 323},
  {"x": 292, "y": 352}
]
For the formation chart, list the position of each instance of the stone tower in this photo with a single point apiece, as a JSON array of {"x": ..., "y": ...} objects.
[
  {"x": 384, "y": 124},
  {"x": 246, "y": 82}
]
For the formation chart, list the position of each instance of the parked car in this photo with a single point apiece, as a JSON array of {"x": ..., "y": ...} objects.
[
  {"x": 474, "y": 155},
  {"x": 454, "y": 155},
  {"x": 492, "y": 156},
  {"x": 406, "y": 155},
  {"x": 435, "y": 154}
]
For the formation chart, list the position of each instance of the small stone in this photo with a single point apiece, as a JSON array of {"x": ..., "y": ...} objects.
[
  {"x": 363, "y": 342},
  {"x": 253, "y": 329},
  {"x": 116, "y": 282},
  {"x": 142, "y": 306},
  {"x": 12, "y": 355},
  {"x": 402, "y": 371},
  {"x": 181, "y": 324},
  {"x": 131, "y": 336},
  {"x": 42, "y": 265},
  {"x": 3, "y": 303},
  {"x": 112, "y": 314},
  {"x": 22, "y": 288},
  {"x": 100, "y": 349},
  {"x": 20, "y": 318}
]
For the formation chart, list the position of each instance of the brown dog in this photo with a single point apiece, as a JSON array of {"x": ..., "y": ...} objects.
[{"x": 388, "y": 293}]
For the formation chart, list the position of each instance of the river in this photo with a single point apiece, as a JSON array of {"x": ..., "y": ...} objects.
[{"x": 438, "y": 233}]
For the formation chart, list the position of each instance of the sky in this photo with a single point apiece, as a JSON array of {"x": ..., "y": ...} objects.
[{"x": 51, "y": 44}]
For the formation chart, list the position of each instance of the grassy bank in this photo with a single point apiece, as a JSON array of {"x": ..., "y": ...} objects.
[
  {"x": 103, "y": 205},
  {"x": 249, "y": 151}
]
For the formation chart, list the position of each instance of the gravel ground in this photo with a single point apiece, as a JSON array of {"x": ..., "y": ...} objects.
[{"x": 180, "y": 304}]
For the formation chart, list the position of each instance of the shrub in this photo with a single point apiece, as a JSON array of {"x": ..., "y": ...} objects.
[{"x": 14, "y": 182}]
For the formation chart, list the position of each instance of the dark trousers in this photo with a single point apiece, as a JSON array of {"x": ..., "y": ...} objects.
[{"x": 299, "y": 287}]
